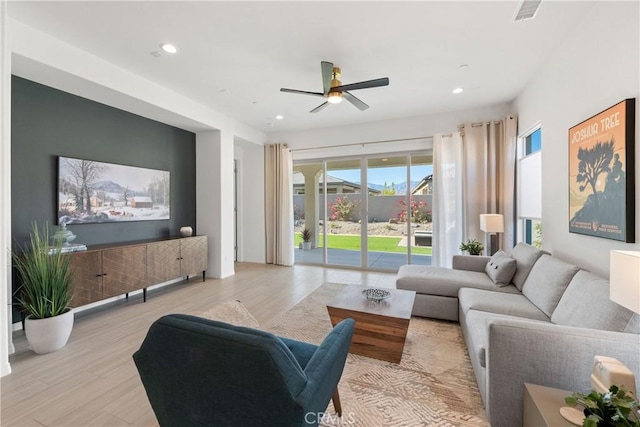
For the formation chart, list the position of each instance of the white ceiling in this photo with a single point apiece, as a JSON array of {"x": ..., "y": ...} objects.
[{"x": 235, "y": 56}]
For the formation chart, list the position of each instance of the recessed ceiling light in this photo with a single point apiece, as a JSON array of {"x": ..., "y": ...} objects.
[
  {"x": 279, "y": 117},
  {"x": 463, "y": 66},
  {"x": 385, "y": 160},
  {"x": 169, "y": 48},
  {"x": 457, "y": 90}
]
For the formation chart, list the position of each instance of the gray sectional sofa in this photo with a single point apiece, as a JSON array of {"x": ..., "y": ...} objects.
[{"x": 543, "y": 326}]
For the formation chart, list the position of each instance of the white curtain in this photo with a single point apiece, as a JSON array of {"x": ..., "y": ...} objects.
[
  {"x": 473, "y": 174},
  {"x": 489, "y": 183},
  {"x": 279, "y": 204},
  {"x": 448, "y": 208}
]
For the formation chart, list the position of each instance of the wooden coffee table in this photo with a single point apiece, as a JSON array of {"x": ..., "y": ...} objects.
[{"x": 381, "y": 327}]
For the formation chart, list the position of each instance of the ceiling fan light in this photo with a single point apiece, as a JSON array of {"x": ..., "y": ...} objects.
[
  {"x": 169, "y": 48},
  {"x": 334, "y": 97}
]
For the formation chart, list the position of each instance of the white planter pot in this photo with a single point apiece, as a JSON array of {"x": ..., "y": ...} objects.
[
  {"x": 50, "y": 334},
  {"x": 306, "y": 246}
]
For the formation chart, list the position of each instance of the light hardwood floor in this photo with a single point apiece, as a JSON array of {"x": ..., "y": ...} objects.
[{"x": 93, "y": 381}]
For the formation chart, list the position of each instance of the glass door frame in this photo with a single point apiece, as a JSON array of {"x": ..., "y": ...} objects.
[{"x": 364, "y": 204}]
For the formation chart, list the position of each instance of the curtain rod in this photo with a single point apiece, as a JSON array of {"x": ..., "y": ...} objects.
[
  {"x": 393, "y": 140},
  {"x": 363, "y": 143},
  {"x": 478, "y": 124}
]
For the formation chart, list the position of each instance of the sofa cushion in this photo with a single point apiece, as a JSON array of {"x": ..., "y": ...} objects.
[
  {"x": 547, "y": 281},
  {"x": 501, "y": 268},
  {"x": 525, "y": 256},
  {"x": 442, "y": 281},
  {"x": 477, "y": 324},
  {"x": 586, "y": 304},
  {"x": 500, "y": 303}
]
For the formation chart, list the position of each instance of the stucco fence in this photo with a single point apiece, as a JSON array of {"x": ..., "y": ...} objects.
[{"x": 381, "y": 208}]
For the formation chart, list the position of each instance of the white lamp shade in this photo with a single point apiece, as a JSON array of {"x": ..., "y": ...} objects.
[
  {"x": 492, "y": 223},
  {"x": 624, "y": 279}
]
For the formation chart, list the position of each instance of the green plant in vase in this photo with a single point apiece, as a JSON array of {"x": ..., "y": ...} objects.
[
  {"x": 472, "y": 246},
  {"x": 616, "y": 408},
  {"x": 306, "y": 239}
]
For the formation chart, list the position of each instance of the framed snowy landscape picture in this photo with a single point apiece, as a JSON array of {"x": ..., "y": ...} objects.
[{"x": 94, "y": 192}]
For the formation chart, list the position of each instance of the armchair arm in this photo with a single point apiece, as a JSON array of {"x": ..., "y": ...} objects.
[
  {"x": 325, "y": 367},
  {"x": 546, "y": 354},
  {"x": 470, "y": 262}
]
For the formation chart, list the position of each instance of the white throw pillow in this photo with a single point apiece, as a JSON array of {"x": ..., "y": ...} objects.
[{"x": 501, "y": 268}]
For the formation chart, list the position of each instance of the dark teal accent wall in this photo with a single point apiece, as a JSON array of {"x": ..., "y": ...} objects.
[{"x": 47, "y": 123}]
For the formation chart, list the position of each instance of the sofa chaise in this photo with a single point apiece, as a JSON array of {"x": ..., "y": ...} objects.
[{"x": 526, "y": 317}]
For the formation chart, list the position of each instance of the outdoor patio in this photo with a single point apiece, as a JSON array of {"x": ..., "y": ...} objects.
[{"x": 377, "y": 260}]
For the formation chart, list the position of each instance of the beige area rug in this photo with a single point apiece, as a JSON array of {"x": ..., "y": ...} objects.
[
  {"x": 233, "y": 312},
  {"x": 434, "y": 384}
]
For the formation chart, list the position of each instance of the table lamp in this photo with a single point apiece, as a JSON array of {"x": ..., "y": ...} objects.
[
  {"x": 624, "y": 279},
  {"x": 624, "y": 289},
  {"x": 492, "y": 224}
]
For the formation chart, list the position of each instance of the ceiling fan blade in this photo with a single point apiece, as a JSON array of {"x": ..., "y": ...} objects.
[
  {"x": 319, "y": 108},
  {"x": 327, "y": 72},
  {"x": 302, "y": 92},
  {"x": 363, "y": 85},
  {"x": 355, "y": 101}
]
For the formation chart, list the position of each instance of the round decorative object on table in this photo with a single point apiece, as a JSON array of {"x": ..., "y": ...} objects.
[
  {"x": 376, "y": 295},
  {"x": 573, "y": 415},
  {"x": 186, "y": 231}
]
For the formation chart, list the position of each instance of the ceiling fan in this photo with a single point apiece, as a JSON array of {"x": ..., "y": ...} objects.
[{"x": 334, "y": 90}]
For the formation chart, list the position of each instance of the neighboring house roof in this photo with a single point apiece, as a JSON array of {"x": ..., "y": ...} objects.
[
  {"x": 423, "y": 183},
  {"x": 298, "y": 181}
]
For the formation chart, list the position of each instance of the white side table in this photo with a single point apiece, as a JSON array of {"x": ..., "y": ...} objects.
[{"x": 542, "y": 406}]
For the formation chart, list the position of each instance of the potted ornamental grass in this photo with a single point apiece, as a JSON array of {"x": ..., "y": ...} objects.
[
  {"x": 45, "y": 291},
  {"x": 472, "y": 246},
  {"x": 306, "y": 239}
]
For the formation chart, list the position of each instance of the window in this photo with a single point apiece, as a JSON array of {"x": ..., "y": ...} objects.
[
  {"x": 533, "y": 142},
  {"x": 530, "y": 187}
]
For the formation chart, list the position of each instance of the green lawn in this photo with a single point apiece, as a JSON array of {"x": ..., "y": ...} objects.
[{"x": 376, "y": 244}]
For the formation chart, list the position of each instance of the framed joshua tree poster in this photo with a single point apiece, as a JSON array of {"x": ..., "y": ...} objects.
[{"x": 601, "y": 174}]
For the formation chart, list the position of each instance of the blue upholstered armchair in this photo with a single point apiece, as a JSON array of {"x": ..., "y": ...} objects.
[{"x": 200, "y": 372}]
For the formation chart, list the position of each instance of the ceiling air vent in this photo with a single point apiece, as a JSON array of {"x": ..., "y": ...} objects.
[{"x": 527, "y": 10}]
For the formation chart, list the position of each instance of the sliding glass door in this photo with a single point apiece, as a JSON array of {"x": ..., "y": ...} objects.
[
  {"x": 343, "y": 212},
  {"x": 366, "y": 212},
  {"x": 420, "y": 202},
  {"x": 386, "y": 237}
]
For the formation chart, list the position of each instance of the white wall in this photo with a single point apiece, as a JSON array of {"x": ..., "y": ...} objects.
[
  {"x": 251, "y": 214},
  {"x": 5, "y": 193},
  {"x": 594, "y": 68},
  {"x": 214, "y": 199}
]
